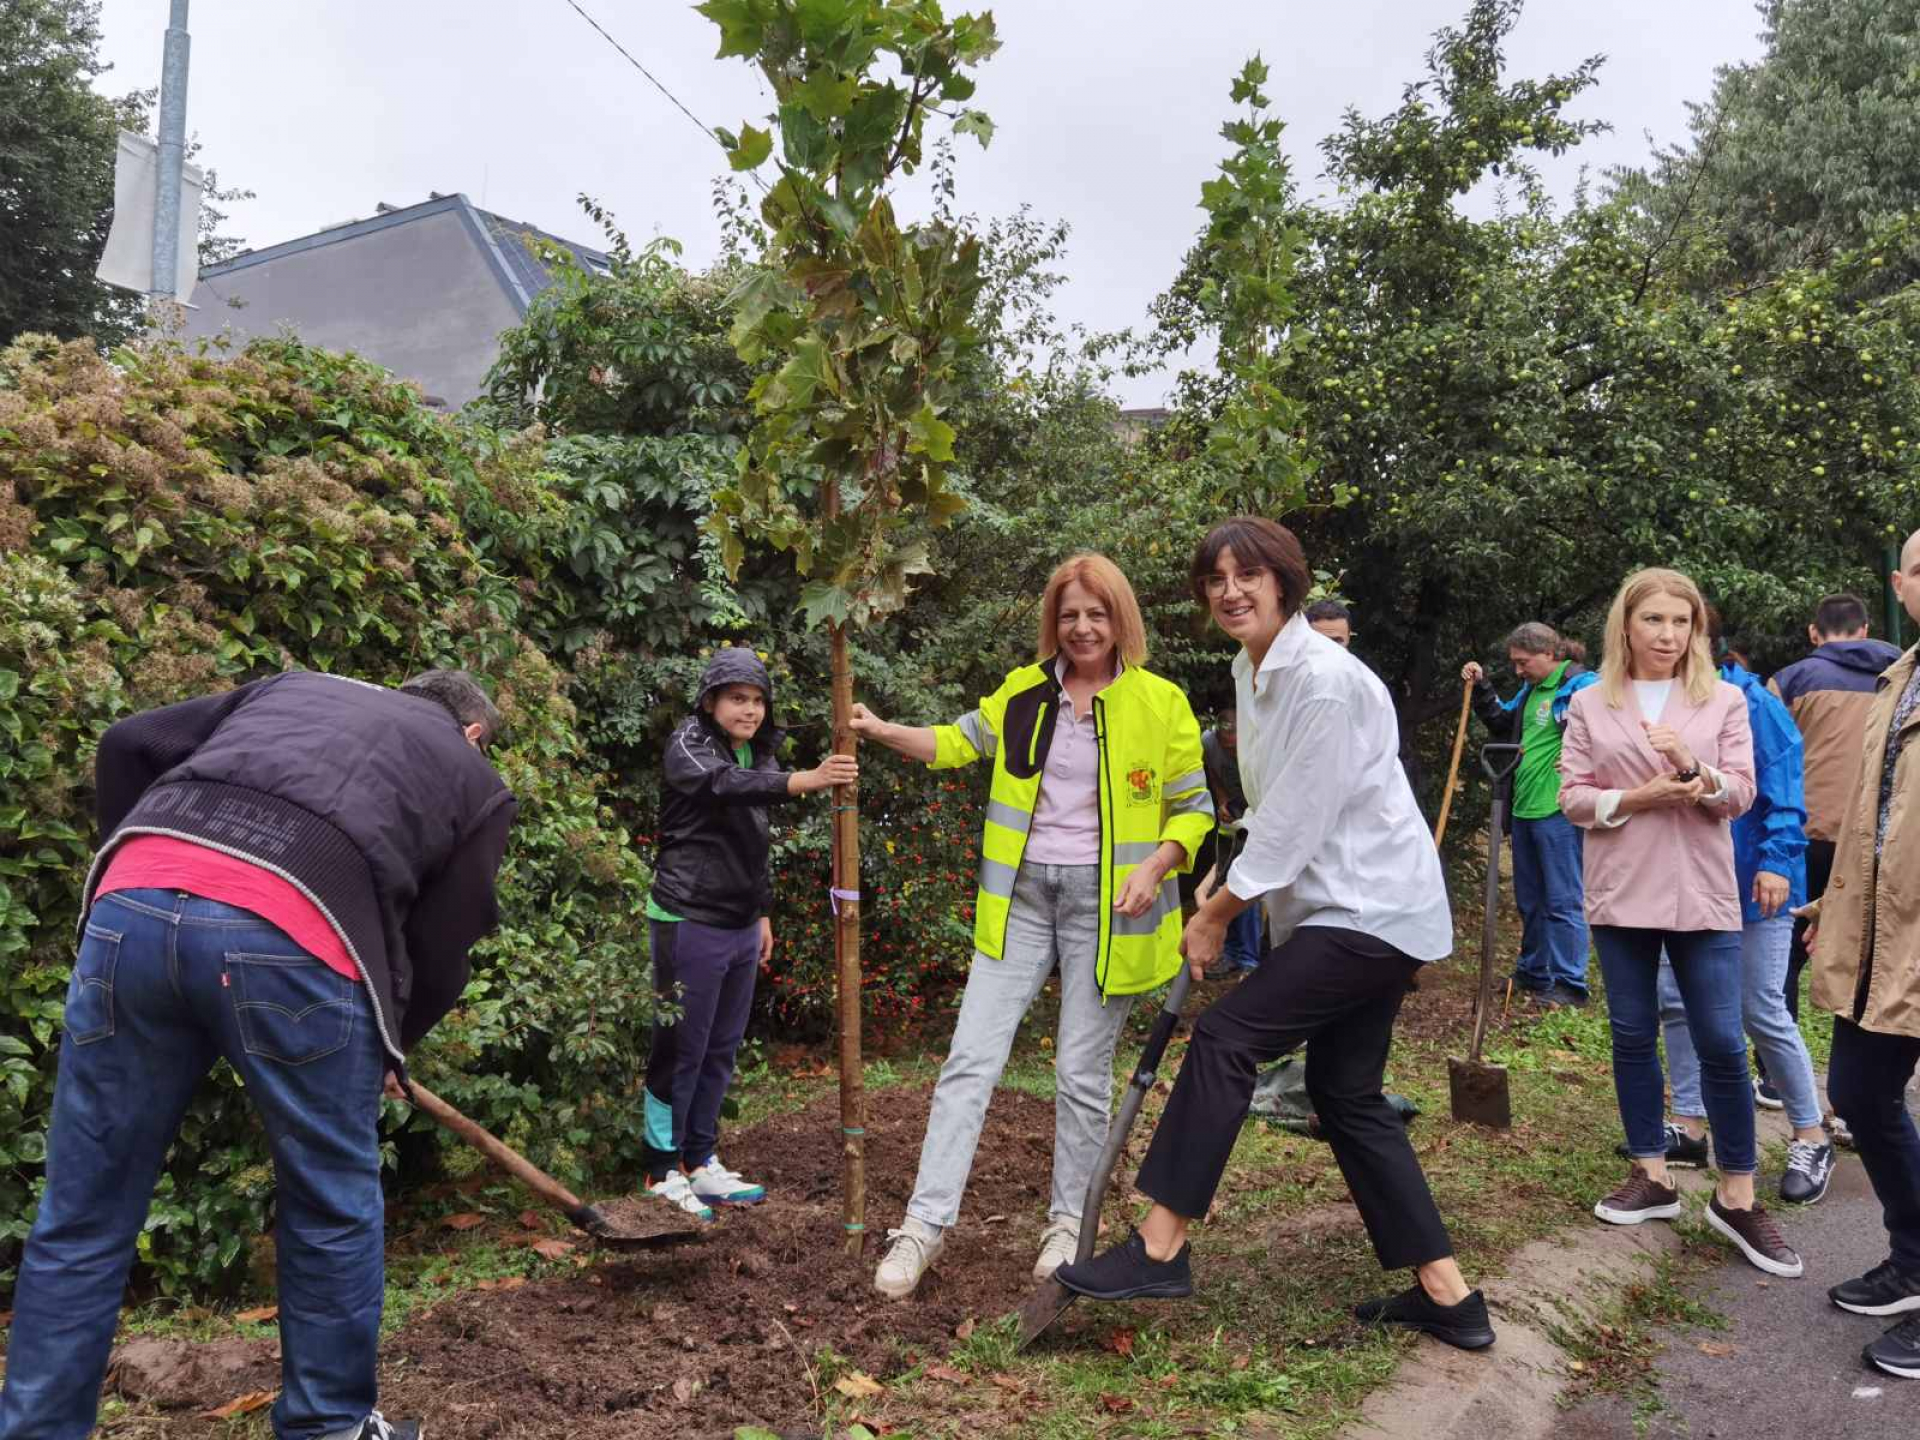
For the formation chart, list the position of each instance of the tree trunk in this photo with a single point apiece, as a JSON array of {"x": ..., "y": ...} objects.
[{"x": 846, "y": 950}]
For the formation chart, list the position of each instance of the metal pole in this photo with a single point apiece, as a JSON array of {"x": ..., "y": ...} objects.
[{"x": 173, "y": 153}]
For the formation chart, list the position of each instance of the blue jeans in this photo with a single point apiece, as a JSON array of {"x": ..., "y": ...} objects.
[
  {"x": 1549, "y": 890},
  {"x": 1706, "y": 963},
  {"x": 165, "y": 983},
  {"x": 1763, "y": 1008},
  {"x": 1242, "y": 950}
]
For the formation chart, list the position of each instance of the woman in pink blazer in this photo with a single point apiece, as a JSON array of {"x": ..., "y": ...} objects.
[{"x": 1657, "y": 760}]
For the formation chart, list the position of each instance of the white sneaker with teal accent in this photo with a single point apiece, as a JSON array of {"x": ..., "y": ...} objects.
[
  {"x": 716, "y": 1184},
  {"x": 675, "y": 1191}
]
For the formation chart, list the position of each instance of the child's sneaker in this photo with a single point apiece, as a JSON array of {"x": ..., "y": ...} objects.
[
  {"x": 714, "y": 1183},
  {"x": 675, "y": 1191}
]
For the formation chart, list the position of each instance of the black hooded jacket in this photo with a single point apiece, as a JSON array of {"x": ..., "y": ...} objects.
[{"x": 711, "y": 866}]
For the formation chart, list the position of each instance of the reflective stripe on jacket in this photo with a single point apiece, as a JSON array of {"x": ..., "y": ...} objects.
[{"x": 1153, "y": 788}]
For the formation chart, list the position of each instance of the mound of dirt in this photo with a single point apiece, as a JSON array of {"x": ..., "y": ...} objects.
[
  {"x": 697, "y": 1340},
  {"x": 176, "y": 1373}
]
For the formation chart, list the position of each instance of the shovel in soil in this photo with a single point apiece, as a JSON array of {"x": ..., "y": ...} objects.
[
  {"x": 1050, "y": 1301},
  {"x": 1479, "y": 1090},
  {"x": 639, "y": 1226}
]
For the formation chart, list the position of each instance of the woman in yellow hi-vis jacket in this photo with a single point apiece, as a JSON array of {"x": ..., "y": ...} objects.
[{"x": 1099, "y": 796}]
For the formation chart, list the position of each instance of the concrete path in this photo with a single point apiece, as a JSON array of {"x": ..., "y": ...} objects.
[{"x": 1786, "y": 1367}]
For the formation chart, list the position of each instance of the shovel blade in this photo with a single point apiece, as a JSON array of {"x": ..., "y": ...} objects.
[
  {"x": 1045, "y": 1305},
  {"x": 1479, "y": 1093}
]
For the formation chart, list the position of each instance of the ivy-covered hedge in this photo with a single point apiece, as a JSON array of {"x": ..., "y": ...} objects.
[{"x": 172, "y": 523}]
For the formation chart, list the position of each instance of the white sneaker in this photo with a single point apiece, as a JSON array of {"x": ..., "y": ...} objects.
[
  {"x": 1057, "y": 1245},
  {"x": 910, "y": 1251},
  {"x": 717, "y": 1185},
  {"x": 675, "y": 1191}
]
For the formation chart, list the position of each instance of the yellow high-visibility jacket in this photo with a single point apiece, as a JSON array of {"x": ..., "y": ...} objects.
[{"x": 1153, "y": 787}]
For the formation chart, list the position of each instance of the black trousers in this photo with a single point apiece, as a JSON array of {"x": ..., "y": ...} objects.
[
  {"x": 1867, "y": 1082},
  {"x": 1336, "y": 991}
]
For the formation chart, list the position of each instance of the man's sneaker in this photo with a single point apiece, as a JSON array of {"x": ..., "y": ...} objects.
[
  {"x": 1898, "y": 1351},
  {"x": 1057, "y": 1244},
  {"x": 378, "y": 1427},
  {"x": 1127, "y": 1272},
  {"x": 717, "y": 1185},
  {"x": 1464, "y": 1326},
  {"x": 1757, "y": 1237},
  {"x": 1809, "y": 1172},
  {"x": 910, "y": 1251},
  {"x": 1557, "y": 995},
  {"x": 677, "y": 1192},
  {"x": 1883, "y": 1290},
  {"x": 1837, "y": 1128},
  {"x": 1640, "y": 1198},
  {"x": 1766, "y": 1096},
  {"x": 1684, "y": 1151}
]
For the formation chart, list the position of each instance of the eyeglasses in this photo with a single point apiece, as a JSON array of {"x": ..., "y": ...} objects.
[{"x": 1246, "y": 580}]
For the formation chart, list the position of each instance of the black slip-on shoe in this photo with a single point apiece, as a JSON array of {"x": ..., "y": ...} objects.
[
  {"x": 1884, "y": 1290},
  {"x": 1898, "y": 1351},
  {"x": 1127, "y": 1272},
  {"x": 1464, "y": 1326}
]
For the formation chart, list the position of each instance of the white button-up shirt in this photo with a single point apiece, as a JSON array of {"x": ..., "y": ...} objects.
[{"x": 1334, "y": 835}]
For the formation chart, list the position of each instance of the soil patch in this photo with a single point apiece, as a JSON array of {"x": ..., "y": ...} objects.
[
  {"x": 698, "y": 1340},
  {"x": 175, "y": 1373}
]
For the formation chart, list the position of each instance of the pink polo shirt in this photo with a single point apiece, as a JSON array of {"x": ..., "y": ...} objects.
[{"x": 1066, "y": 818}]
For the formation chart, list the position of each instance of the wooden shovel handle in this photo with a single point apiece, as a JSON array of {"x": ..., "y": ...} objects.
[
  {"x": 502, "y": 1154},
  {"x": 1453, "y": 768}
]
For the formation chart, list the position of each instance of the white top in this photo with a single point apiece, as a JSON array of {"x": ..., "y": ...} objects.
[
  {"x": 1652, "y": 695},
  {"x": 1335, "y": 837}
]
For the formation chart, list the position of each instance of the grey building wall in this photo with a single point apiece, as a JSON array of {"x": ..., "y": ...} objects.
[{"x": 421, "y": 298}]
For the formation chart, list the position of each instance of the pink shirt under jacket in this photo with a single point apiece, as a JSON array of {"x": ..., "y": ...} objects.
[{"x": 1658, "y": 869}]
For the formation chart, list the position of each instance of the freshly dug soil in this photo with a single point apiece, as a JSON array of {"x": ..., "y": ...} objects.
[
  {"x": 696, "y": 1340},
  {"x": 177, "y": 1373}
]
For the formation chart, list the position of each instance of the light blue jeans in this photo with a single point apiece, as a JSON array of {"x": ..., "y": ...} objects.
[
  {"x": 1054, "y": 918},
  {"x": 1764, "y": 946}
]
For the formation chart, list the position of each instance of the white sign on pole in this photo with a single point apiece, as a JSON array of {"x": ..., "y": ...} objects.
[{"x": 128, "y": 258}]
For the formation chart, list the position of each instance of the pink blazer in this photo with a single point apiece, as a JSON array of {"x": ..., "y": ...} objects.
[{"x": 1660, "y": 869}]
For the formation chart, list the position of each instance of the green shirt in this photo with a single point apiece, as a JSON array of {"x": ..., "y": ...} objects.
[
  {"x": 1536, "y": 787},
  {"x": 743, "y": 754}
]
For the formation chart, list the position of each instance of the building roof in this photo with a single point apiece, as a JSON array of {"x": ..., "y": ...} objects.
[{"x": 504, "y": 242}]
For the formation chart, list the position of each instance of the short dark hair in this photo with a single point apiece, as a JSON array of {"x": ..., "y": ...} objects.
[
  {"x": 463, "y": 699},
  {"x": 1536, "y": 637},
  {"x": 1255, "y": 540},
  {"x": 1328, "y": 610},
  {"x": 1840, "y": 615}
]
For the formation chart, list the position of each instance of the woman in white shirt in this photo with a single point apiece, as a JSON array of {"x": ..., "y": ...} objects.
[{"x": 1355, "y": 904}]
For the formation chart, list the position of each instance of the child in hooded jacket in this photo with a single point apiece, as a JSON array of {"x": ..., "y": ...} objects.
[{"x": 708, "y": 921}]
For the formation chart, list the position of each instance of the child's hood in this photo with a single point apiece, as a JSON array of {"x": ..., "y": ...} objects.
[{"x": 736, "y": 665}]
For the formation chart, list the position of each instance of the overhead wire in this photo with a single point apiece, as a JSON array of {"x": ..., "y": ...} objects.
[{"x": 653, "y": 80}]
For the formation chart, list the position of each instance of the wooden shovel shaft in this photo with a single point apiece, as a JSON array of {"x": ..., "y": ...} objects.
[
  {"x": 1453, "y": 766},
  {"x": 502, "y": 1154}
]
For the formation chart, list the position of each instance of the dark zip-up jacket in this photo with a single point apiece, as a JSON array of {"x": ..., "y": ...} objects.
[
  {"x": 368, "y": 801},
  {"x": 711, "y": 866}
]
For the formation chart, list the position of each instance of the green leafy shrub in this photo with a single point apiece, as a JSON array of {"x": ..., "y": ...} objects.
[{"x": 173, "y": 523}]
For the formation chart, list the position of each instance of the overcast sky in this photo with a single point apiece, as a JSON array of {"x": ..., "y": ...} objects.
[{"x": 1108, "y": 110}]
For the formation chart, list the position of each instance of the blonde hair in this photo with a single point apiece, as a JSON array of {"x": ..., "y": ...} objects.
[
  {"x": 1696, "y": 672},
  {"x": 1111, "y": 589}
]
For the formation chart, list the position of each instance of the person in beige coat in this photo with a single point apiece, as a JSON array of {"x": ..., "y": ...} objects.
[{"x": 1866, "y": 970}]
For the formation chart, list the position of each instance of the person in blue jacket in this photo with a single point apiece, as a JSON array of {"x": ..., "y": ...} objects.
[{"x": 1769, "y": 857}]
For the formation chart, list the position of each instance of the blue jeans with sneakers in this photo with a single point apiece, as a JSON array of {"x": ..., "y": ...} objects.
[
  {"x": 165, "y": 984},
  {"x": 1549, "y": 890}
]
